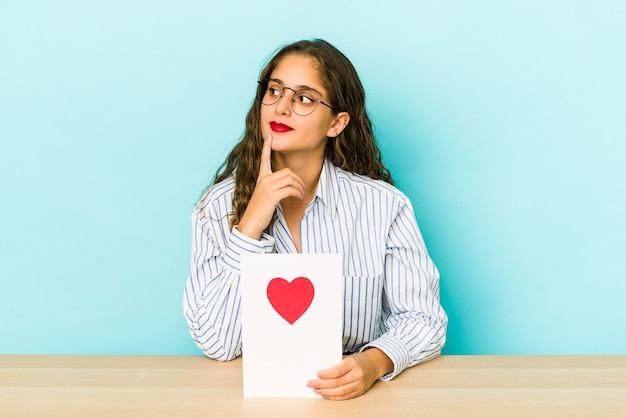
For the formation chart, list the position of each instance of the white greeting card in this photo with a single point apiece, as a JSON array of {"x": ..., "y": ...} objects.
[{"x": 292, "y": 319}]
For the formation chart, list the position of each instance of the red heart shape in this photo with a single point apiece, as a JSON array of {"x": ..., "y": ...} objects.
[{"x": 290, "y": 300}]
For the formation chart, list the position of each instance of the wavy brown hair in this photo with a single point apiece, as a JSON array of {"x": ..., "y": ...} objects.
[{"x": 354, "y": 149}]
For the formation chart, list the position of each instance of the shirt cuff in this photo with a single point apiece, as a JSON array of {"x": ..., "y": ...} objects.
[
  {"x": 395, "y": 350},
  {"x": 239, "y": 244}
]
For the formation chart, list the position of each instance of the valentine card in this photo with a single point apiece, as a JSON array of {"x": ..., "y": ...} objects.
[{"x": 292, "y": 319}]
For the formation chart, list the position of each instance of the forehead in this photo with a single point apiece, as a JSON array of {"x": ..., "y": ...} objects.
[{"x": 298, "y": 71}]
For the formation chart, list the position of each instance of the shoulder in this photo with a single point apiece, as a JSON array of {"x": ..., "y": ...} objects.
[
  {"x": 364, "y": 185},
  {"x": 218, "y": 196}
]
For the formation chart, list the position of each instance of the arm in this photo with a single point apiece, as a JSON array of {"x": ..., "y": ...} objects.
[
  {"x": 414, "y": 318},
  {"x": 212, "y": 297}
]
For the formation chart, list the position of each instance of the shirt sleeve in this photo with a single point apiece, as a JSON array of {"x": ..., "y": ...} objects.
[
  {"x": 212, "y": 297},
  {"x": 413, "y": 316}
]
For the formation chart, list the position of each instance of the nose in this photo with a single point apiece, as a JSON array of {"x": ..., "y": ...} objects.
[{"x": 283, "y": 106}]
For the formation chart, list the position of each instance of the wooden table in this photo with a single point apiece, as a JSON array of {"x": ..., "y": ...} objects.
[{"x": 187, "y": 386}]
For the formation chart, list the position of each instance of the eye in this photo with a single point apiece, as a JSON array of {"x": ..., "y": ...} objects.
[
  {"x": 305, "y": 97},
  {"x": 273, "y": 91}
]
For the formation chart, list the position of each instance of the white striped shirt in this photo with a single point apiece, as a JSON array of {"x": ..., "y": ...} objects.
[{"x": 391, "y": 286}]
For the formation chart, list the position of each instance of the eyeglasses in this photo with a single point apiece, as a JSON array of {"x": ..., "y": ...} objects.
[{"x": 303, "y": 102}]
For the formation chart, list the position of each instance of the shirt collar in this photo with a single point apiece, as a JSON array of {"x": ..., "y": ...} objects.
[{"x": 328, "y": 188}]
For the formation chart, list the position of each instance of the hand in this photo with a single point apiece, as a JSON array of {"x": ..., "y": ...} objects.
[
  {"x": 270, "y": 189},
  {"x": 353, "y": 376}
]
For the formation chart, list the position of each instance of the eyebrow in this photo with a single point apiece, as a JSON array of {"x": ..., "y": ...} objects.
[{"x": 300, "y": 87}]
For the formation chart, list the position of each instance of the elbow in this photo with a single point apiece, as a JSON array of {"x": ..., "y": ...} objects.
[
  {"x": 216, "y": 342},
  {"x": 216, "y": 349},
  {"x": 222, "y": 355}
]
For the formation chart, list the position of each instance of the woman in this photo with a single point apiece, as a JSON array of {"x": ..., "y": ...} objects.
[{"x": 308, "y": 177}]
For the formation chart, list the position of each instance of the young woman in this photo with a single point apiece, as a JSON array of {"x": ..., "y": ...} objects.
[{"x": 307, "y": 177}]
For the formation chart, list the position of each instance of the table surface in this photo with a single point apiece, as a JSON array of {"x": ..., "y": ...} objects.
[{"x": 188, "y": 386}]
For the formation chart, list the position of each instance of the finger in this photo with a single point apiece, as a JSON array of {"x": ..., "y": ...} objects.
[
  {"x": 342, "y": 368},
  {"x": 344, "y": 391},
  {"x": 341, "y": 396},
  {"x": 286, "y": 192},
  {"x": 286, "y": 177},
  {"x": 266, "y": 157},
  {"x": 336, "y": 388},
  {"x": 273, "y": 183}
]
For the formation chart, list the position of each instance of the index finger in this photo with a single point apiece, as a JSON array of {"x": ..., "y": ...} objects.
[
  {"x": 266, "y": 154},
  {"x": 340, "y": 369}
]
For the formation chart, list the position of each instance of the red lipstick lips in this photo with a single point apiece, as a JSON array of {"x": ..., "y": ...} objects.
[{"x": 280, "y": 127}]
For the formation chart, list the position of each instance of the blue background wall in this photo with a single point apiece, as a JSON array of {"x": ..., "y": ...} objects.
[{"x": 504, "y": 123}]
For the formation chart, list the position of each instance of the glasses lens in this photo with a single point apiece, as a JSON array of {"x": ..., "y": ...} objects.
[
  {"x": 272, "y": 94},
  {"x": 305, "y": 102}
]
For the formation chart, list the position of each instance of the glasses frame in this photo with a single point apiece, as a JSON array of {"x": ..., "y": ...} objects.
[{"x": 293, "y": 101}]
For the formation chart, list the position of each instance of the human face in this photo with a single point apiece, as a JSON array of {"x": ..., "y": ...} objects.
[{"x": 291, "y": 132}]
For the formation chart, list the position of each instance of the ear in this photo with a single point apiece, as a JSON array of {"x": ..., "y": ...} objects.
[{"x": 340, "y": 121}]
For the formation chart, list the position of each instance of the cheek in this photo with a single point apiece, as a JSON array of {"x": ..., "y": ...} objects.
[
  {"x": 264, "y": 121},
  {"x": 264, "y": 114},
  {"x": 323, "y": 125}
]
